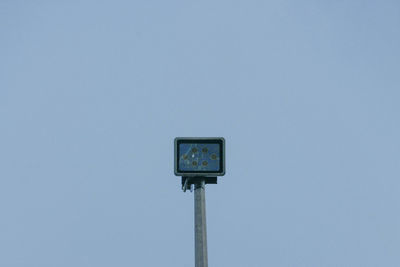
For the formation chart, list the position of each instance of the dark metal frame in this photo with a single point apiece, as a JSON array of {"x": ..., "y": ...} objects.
[{"x": 204, "y": 174}]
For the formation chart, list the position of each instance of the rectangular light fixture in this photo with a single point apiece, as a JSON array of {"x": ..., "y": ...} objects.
[{"x": 204, "y": 156}]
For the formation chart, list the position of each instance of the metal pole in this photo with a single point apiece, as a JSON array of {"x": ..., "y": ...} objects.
[{"x": 200, "y": 227}]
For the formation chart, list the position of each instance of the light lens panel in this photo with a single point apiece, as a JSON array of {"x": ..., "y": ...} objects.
[{"x": 201, "y": 157}]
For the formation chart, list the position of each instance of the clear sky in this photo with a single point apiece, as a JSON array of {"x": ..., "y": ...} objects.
[{"x": 306, "y": 94}]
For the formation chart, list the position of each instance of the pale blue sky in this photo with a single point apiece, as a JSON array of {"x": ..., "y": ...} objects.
[{"x": 306, "y": 94}]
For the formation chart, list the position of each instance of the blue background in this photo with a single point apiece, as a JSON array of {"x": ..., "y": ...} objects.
[{"x": 306, "y": 93}]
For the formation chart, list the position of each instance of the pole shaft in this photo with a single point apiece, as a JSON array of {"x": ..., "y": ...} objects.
[{"x": 200, "y": 227}]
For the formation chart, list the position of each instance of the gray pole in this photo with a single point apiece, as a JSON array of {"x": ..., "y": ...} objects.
[{"x": 200, "y": 227}]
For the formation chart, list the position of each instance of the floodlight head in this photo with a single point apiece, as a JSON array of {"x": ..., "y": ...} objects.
[{"x": 202, "y": 156}]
